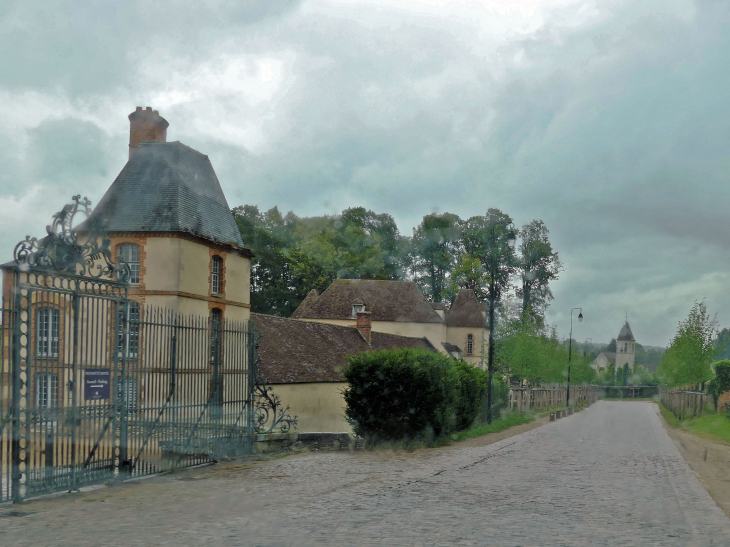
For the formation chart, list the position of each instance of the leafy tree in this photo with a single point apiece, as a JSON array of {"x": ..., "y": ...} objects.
[
  {"x": 434, "y": 248},
  {"x": 539, "y": 265},
  {"x": 485, "y": 238},
  {"x": 721, "y": 382},
  {"x": 689, "y": 357},
  {"x": 722, "y": 343},
  {"x": 269, "y": 236},
  {"x": 611, "y": 347},
  {"x": 468, "y": 273},
  {"x": 649, "y": 357}
]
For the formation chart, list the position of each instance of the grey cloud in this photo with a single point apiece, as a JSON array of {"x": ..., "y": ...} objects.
[{"x": 614, "y": 132}]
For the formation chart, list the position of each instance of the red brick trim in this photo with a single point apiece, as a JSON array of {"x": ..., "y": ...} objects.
[
  {"x": 244, "y": 252},
  {"x": 222, "y": 275},
  {"x": 141, "y": 241}
]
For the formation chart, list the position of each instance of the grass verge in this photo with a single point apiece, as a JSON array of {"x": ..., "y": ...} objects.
[
  {"x": 715, "y": 426},
  {"x": 510, "y": 420}
]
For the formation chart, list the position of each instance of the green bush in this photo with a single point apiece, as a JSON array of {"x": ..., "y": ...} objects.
[
  {"x": 407, "y": 393},
  {"x": 401, "y": 393},
  {"x": 473, "y": 383},
  {"x": 721, "y": 382}
]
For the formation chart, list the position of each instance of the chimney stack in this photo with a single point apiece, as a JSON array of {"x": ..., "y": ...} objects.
[
  {"x": 364, "y": 325},
  {"x": 146, "y": 125}
]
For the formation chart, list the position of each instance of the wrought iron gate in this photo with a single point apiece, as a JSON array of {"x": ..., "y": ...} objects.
[{"x": 94, "y": 387}]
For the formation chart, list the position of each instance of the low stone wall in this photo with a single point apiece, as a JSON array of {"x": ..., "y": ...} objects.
[{"x": 265, "y": 443}]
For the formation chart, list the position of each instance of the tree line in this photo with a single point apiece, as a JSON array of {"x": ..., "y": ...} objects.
[{"x": 444, "y": 254}]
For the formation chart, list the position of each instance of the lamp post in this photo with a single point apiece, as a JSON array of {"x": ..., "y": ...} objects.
[
  {"x": 511, "y": 240},
  {"x": 570, "y": 349}
]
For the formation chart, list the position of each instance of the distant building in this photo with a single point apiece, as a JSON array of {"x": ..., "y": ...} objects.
[
  {"x": 625, "y": 352},
  {"x": 399, "y": 307}
]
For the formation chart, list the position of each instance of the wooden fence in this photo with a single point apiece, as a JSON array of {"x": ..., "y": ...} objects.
[
  {"x": 522, "y": 399},
  {"x": 684, "y": 403}
]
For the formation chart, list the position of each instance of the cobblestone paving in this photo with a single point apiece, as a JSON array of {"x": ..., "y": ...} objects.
[{"x": 609, "y": 475}]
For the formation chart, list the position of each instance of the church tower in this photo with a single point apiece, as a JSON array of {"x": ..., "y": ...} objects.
[{"x": 625, "y": 347}]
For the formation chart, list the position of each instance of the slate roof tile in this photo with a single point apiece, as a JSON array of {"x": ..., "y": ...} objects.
[
  {"x": 168, "y": 187},
  {"x": 292, "y": 351}
]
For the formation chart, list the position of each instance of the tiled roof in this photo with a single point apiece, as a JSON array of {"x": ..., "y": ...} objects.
[
  {"x": 386, "y": 300},
  {"x": 626, "y": 334},
  {"x": 168, "y": 187},
  {"x": 293, "y": 352},
  {"x": 466, "y": 311},
  {"x": 451, "y": 348}
]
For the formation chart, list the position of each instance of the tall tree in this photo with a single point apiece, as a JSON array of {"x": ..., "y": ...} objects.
[
  {"x": 689, "y": 357},
  {"x": 539, "y": 265},
  {"x": 434, "y": 248},
  {"x": 485, "y": 238}
]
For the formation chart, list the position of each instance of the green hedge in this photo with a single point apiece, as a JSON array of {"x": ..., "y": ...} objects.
[
  {"x": 407, "y": 393},
  {"x": 721, "y": 382}
]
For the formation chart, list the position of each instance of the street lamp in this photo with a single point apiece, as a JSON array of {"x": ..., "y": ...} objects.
[
  {"x": 511, "y": 240},
  {"x": 570, "y": 349}
]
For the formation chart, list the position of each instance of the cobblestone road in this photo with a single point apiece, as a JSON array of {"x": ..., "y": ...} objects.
[{"x": 609, "y": 475}]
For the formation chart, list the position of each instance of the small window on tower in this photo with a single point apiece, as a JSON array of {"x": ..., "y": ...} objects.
[
  {"x": 470, "y": 344},
  {"x": 216, "y": 268}
]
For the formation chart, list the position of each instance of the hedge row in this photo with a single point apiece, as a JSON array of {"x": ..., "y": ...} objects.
[{"x": 407, "y": 393}]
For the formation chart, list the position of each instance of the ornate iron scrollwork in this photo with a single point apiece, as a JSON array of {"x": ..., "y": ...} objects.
[
  {"x": 61, "y": 250},
  {"x": 270, "y": 415}
]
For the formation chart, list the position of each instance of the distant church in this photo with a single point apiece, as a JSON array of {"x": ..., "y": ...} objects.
[{"x": 625, "y": 352}]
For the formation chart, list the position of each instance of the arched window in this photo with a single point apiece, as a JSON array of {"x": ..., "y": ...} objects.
[
  {"x": 129, "y": 253},
  {"x": 216, "y": 271},
  {"x": 47, "y": 329},
  {"x": 469, "y": 344}
]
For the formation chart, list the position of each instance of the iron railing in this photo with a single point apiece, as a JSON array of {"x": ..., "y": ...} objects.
[{"x": 91, "y": 392}]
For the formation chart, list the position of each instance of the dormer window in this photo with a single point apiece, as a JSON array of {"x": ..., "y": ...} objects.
[
  {"x": 216, "y": 269},
  {"x": 357, "y": 308}
]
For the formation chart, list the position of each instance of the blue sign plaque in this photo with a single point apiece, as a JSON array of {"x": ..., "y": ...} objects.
[{"x": 96, "y": 383}]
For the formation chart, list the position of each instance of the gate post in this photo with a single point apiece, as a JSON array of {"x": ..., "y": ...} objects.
[{"x": 15, "y": 400}]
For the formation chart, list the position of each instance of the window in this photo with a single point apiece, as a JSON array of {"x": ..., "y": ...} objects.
[
  {"x": 134, "y": 318},
  {"x": 215, "y": 335},
  {"x": 47, "y": 328},
  {"x": 356, "y": 308},
  {"x": 46, "y": 390},
  {"x": 216, "y": 268},
  {"x": 469, "y": 344},
  {"x": 129, "y": 253}
]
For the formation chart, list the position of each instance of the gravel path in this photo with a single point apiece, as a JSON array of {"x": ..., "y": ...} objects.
[{"x": 609, "y": 475}]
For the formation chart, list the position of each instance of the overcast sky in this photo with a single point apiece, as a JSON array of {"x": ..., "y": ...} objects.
[{"x": 608, "y": 119}]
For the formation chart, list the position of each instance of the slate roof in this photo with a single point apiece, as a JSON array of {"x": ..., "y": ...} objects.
[
  {"x": 610, "y": 354},
  {"x": 386, "y": 300},
  {"x": 293, "y": 352},
  {"x": 451, "y": 348},
  {"x": 168, "y": 187},
  {"x": 626, "y": 334},
  {"x": 466, "y": 311}
]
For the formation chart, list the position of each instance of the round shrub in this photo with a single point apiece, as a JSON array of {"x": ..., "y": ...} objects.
[{"x": 401, "y": 393}]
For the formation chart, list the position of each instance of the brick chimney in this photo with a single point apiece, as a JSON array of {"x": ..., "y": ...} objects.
[
  {"x": 146, "y": 125},
  {"x": 364, "y": 325}
]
